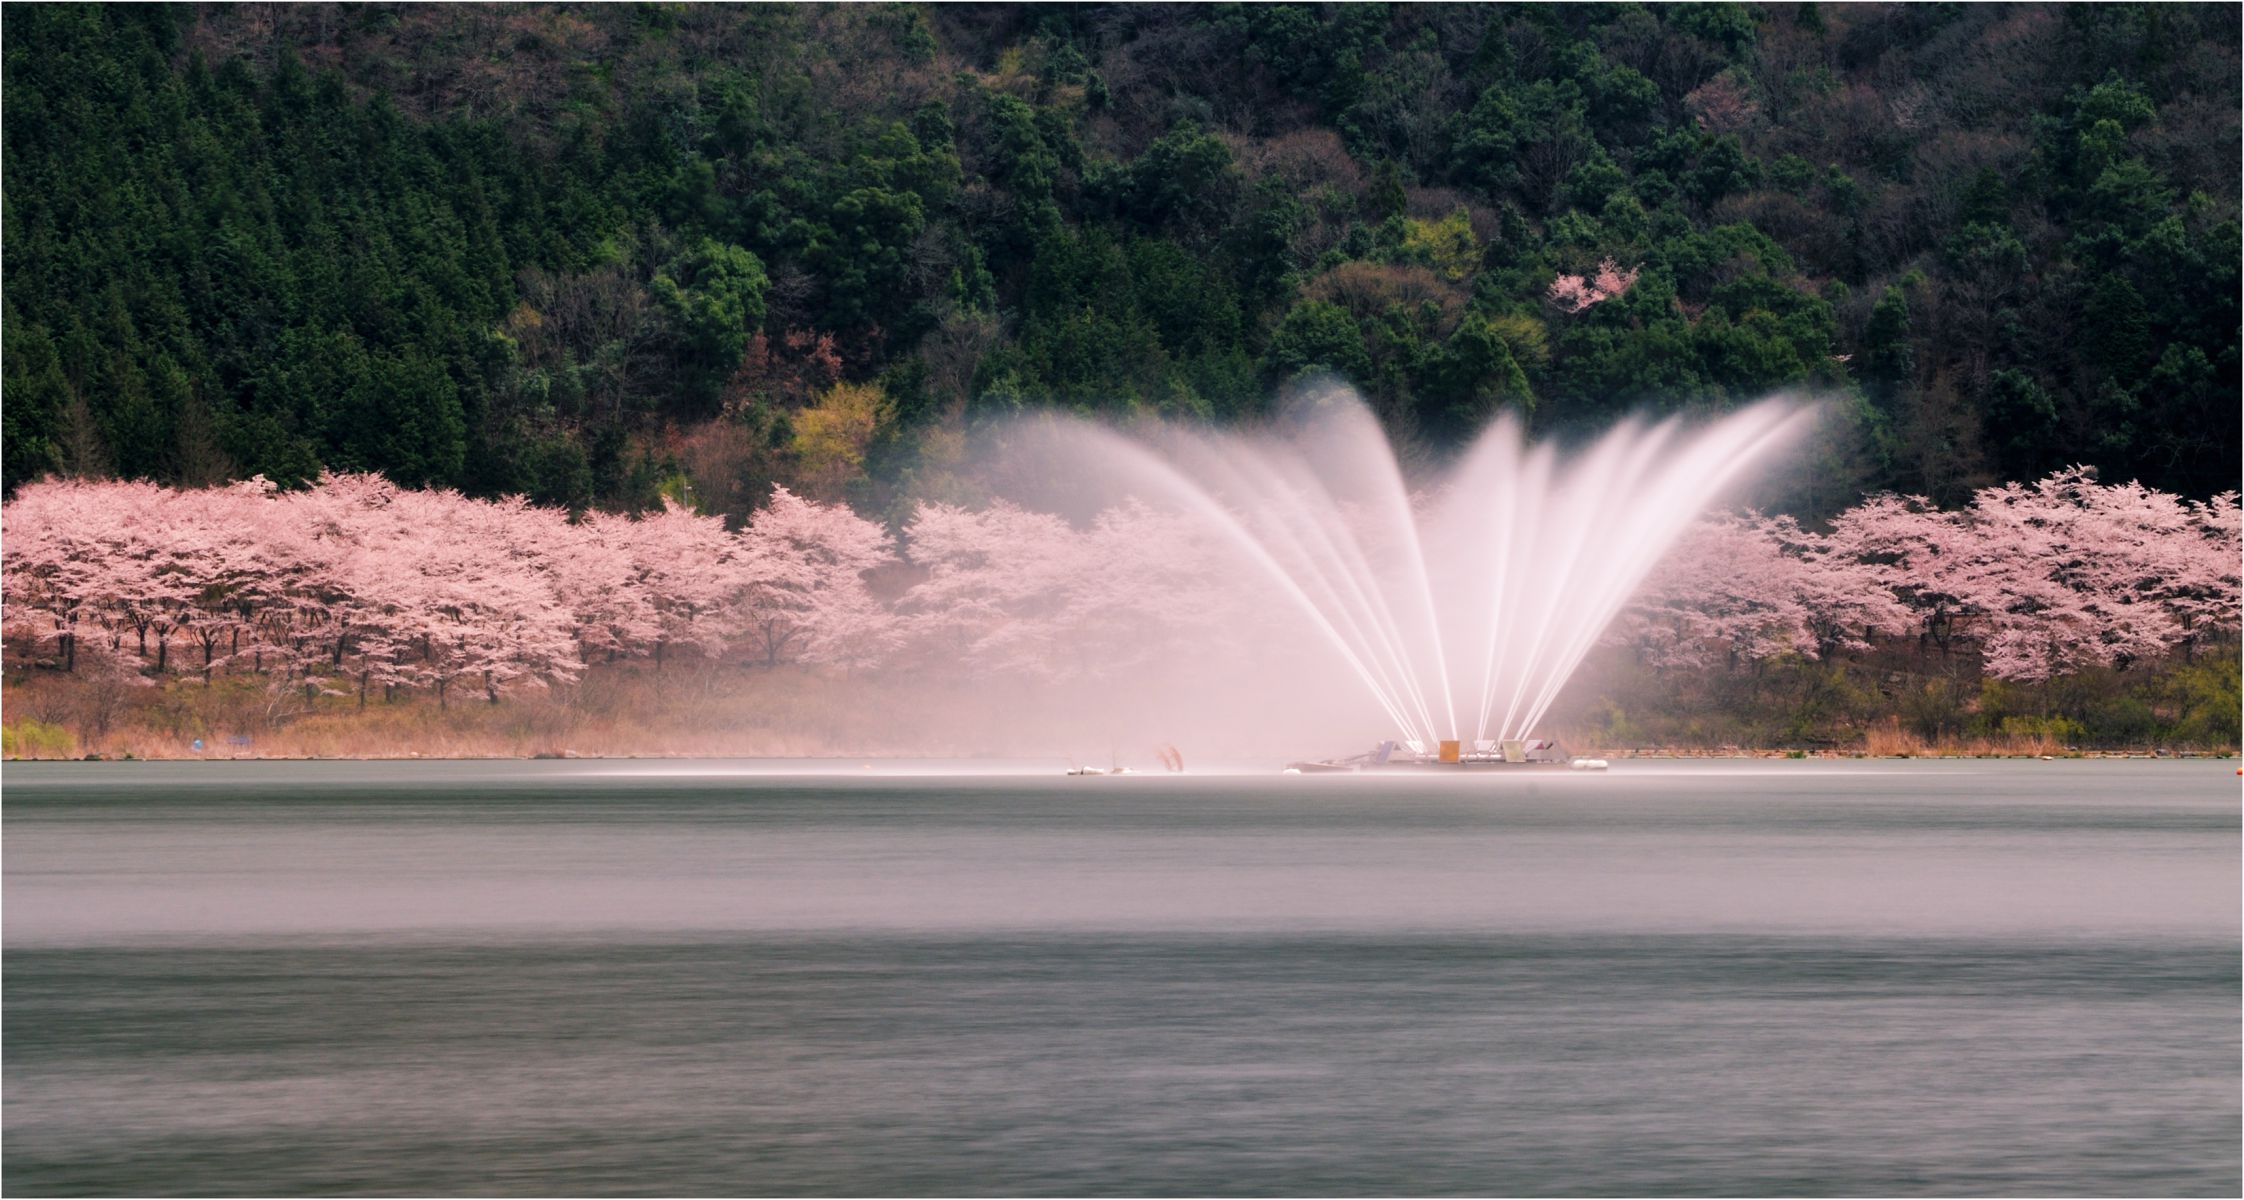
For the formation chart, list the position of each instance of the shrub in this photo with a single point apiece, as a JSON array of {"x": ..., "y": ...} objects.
[
  {"x": 2209, "y": 697},
  {"x": 27, "y": 738},
  {"x": 2064, "y": 730}
]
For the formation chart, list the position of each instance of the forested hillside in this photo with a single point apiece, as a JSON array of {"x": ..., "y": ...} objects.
[{"x": 599, "y": 254}]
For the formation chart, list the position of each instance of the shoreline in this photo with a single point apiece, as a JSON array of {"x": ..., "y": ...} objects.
[{"x": 1665, "y": 754}]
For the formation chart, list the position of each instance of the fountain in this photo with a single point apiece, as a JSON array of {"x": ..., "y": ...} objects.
[{"x": 1462, "y": 609}]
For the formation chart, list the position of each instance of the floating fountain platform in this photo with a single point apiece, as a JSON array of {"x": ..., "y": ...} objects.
[{"x": 1512, "y": 754}]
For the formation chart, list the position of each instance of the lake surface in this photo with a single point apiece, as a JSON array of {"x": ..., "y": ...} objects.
[{"x": 709, "y": 977}]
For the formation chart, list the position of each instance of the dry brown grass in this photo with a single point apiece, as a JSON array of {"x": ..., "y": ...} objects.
[
  {"x": 1890, "y": 740},
  {"x": 694, "y": 710},
  {"x": 1887, "y": 740}
]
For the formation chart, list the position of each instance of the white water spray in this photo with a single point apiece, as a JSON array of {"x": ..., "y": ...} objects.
[{"x": 1464, "y": 610}]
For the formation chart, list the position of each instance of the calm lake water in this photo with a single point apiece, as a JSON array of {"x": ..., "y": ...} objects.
[{"x": 650, "y": 977}]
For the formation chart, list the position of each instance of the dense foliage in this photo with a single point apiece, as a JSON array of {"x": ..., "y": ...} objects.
[{"x": 597, "y": 255}]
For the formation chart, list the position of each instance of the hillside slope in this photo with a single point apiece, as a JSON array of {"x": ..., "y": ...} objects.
[{"x": 595, "y": 254}]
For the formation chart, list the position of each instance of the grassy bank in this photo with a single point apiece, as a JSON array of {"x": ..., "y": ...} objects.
[
  {"x": 781, "y": 713},
  {"x": 1900, "y": 701},
  {"x": 1877, "y": 708}
]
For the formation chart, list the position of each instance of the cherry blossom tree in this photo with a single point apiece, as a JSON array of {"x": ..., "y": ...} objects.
[
  {"x": 1573, "y": 293},
  {"x": 94, "y": 554},
  {"x": 1010, "y": 591},
  {"x": 691, "y": 571},
  {"x": 476, "y": 597},
  {"x": 596, "y": 578},
  {"x": 54, "y": 583},
  {"x": 1153, "y": 585},
  {"x": 220, "y": 545},
  {"x": 332, "y": 584},
  {"x": 1744, "y": 587},
  {"x": 2205, "y": 589},
  {"x": 2055, "y": 575},
  {"x": 356, "y": 583},
  {"x": 996, "y": 587},
  {"x": 806, "y": 594}
]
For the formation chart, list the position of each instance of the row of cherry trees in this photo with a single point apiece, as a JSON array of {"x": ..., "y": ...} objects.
[
  {"x": 2039, "y": 579},
  {"x": 358, "y": 586},
  {"x": 362, "y": 583}
]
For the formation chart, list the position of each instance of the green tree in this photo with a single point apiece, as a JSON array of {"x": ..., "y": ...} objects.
[
  {"x": 713, "y": 295},
  {"x": 401, "y": 417},
  {"x": 2119, "y": 330},
  {"x": 37, "y": 397},
  {"x": 1317, "y": 335},
  {"x": 1888, "y": 364}
]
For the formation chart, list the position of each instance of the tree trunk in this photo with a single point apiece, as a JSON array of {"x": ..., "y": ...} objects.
[
  {"x": 490, "y": 692},
  {"x": 362, "y": 681}
]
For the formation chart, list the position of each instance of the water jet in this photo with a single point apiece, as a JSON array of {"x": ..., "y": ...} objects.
[{"x": 1460, "y": 607}]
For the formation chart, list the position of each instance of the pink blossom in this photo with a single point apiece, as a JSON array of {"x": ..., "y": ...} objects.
[
  {"x": 1573, "y": 293},
  {"x": 2055, "y": 575},
  {"x": 354, "y": 585},
  {"x": 1751, "y": 587},
  {"x": 806, "y": 595}
]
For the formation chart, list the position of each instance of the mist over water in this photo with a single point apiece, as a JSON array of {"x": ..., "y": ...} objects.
[
  {"x": 1459, "y": 604},
  {"x": 735, "y": 977}
]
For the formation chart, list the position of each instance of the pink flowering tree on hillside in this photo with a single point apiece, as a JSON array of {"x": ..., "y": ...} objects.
[
  {"x": 2055, "y": 575},
  {"x": 55, "y": 581},
  {"x": 221, "y": 545},
  {"x": 692, "y": 572},
  {"x": 355, "y": 585},
  {"x": 1745, "y": 587},
  {"x": 1574, "y": 293},
  {"x": 1153, "y": 586},
  {"x": 596, "y": 578},
  {"x": 996, "y": 591},
  {"x": 331, "y": 598},
  {"x": 473, "y": 599},
  {"x": 806, "y": 596}
]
